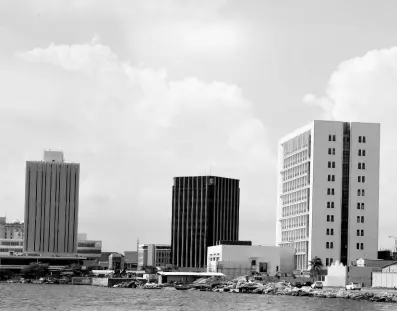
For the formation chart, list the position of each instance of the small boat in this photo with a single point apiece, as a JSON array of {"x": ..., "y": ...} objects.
[{"x": 182, "y": 287}]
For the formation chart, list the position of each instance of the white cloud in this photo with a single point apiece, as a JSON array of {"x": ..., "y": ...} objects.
[
  {"x": 363, "y": 89},
  {"x": 132, "y": 129}
]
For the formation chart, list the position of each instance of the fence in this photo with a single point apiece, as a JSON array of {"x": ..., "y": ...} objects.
[{"x": 384, "y": 279}]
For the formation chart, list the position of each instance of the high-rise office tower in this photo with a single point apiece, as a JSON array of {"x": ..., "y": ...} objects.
[
  {"x": 328, "y": 197},
  {"x": 205, "y": 209},
  {"x": 51, "y": 205}
]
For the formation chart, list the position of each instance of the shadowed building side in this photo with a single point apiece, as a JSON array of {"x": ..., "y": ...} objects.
[
  {"x": 51, "y": 207},
  {"x": 205, "y": 209}
]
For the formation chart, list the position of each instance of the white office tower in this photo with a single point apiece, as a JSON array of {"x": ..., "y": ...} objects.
[{"x": 328, "y": 196}]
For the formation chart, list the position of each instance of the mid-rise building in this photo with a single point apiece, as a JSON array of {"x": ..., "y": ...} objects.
[
  {"x": 51, "y": 205},
  {"x": 328, "y": 197},
  {"x": 92, "y": 249},
  {"x": 11, "y": 230},
  {"x": 153, "y": 255},
  {"x": 205, "y": 210}
]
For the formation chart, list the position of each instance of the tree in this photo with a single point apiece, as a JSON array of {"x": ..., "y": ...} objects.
[
  {"x": 316, "y": 266},
  {"x": 35, "y": 270}
]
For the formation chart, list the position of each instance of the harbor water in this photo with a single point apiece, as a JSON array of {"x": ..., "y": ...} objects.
[{"x": 73, "y": 297}]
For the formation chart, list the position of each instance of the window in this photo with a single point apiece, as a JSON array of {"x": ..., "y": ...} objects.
[
  {"x": 358, "y": 245},
  {"x": 363, "y": 153},
  {"x": 362, "y": 178},
  {"x": 328, "y": 218},
  {"x": 329, "y": 164},
  {"x": 359, "y": 165},
  {"x": 334, "y": 138},
  {"x": 329, "y": 151},
  {"x": 359, "y": 152},
  {"x": 363, "y": 139},
  {"x": 333, "y": 151},
  {"x": 362, "y": 245},
  {"x": 359, "y": 179},
  {"x": 358, "y": 232},
  {"x": 333, "y": 191},
  {"x": 359, "y": 192},
  {"x": 328, "y": 204},
  {"x": 362, "y": 205},
  {"x": 331, "y": 260},
  {"x": 363, "y": 192},
  {"x": 333, "y": 177},
  {"x": 328, "y": 231},
  {"x": 330, "y": 138},
  {"x": 358, "y": 218},
  {"x": 333, "y": 164},
  {"x": 327, "y": 244},
  {"x": 329, "y": 177},
  {"x": 362, "y": 219},
  {"x": 363, "y": 166},
  {"x": 328, "y": 191},
  {"x": 362, "y": 232},
  {"x": 359, "y": 139},
  {"x": 331, "y": 245},
  {"x": 332, "y": 218},
  {"x": 332, "y": 231},
  {"x": 358, "y": 205},
  {"x": 326, "y": 262},
  {"x": 332, "y": 205}
]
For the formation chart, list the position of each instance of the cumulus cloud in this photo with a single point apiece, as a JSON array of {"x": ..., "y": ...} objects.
[
  {"x": 363, "y": 89},
  {"x": 132, "y": 129}
]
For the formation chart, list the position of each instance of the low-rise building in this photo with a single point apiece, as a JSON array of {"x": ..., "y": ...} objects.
[
  {"x": 11, "y": 230},
  {"x": 130, "y": 260},
  {"x": 237, "y": 260},
  {"x": 11, "y": 246},
  {"x": 91, "y": 249},
  {"x": 153, "y": 255}
]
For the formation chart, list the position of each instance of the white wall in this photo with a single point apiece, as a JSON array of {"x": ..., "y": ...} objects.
[{"x": 337, "y": 275}]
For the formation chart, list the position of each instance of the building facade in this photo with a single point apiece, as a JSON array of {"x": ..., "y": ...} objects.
[
  {"x": 51, "y": 205},
  {"x": 11, "y": 246},
  {"x": 153, "y": 255},
  {"x": 205, "y": 209},
  {"x": 238, "y": 260},
  {"x": 328, "y": 196},
  {"x": 92, "y": 249},
  {"x": 11, "y": 230}
]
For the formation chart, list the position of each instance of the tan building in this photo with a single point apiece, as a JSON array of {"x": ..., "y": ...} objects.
[
  {"x": 153, "y": 255},
  {"x": 51, "y": 205},
  {"x": 11, "y": 230}
]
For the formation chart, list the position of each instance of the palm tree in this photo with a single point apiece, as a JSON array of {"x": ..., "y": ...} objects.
[{"x": 316, "y": 266}]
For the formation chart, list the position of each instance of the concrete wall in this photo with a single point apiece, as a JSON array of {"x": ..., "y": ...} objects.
[
  {"x": 362, "y": 275},
  {"x": 81, "y": 281},
  {"x": 100, "y": 282},
  {"x": 384, "y": 279},
  {"x": 337, "y": 275}
]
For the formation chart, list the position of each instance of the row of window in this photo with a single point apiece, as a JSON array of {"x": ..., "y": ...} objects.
[
  {"x": 360, "y": 232},
  {"x": 361, "y": 166},
  {"x": 361, "y": 139},
  {"x": 361, "y": 192},
  {"x": 330, "y": 218},
  {"x": 328, "y": 261},
  {"x": 361, "y": 153},
  {"x": 360, "y": 219},
  {"x": 331, "y": 137},
  {"x": 331, "y": 151},
  {"x": 360, "y": 244},
  {"x": 331, "y": 164},
  {"x": 329, "y": 244},
  {"x": 331, "y": 191},
  {"x": 330, "y": 204},
  {"x": 330, "y": 231},
  {"x": 360, "y": 205},
  {"x": 331, "y": 177},
  {"x": 361, "y": 178}
]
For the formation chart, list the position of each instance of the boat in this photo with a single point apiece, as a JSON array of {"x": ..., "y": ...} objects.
[{"x": 182, "y": 287}]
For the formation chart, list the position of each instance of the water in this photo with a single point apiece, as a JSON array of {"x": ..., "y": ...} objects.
[{"x": 72, "y": 297}]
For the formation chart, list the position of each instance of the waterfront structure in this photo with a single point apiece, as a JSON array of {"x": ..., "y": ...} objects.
[
  {"x": 51, "y": 205},
  {"x": 11, "y": 230},
  {"x": 153, "y": 255},
  {"x": 205, "y": 209},
  {"x": 328, "y": 196},
  {"x": 236, "y": 260},
  {"x": 11, "y": 246}
]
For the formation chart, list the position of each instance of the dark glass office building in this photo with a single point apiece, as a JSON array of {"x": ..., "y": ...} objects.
[{"x": 205, "y": 210}]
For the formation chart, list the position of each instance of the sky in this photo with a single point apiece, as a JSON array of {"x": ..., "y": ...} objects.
[{"x": 139, "y": 92}]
